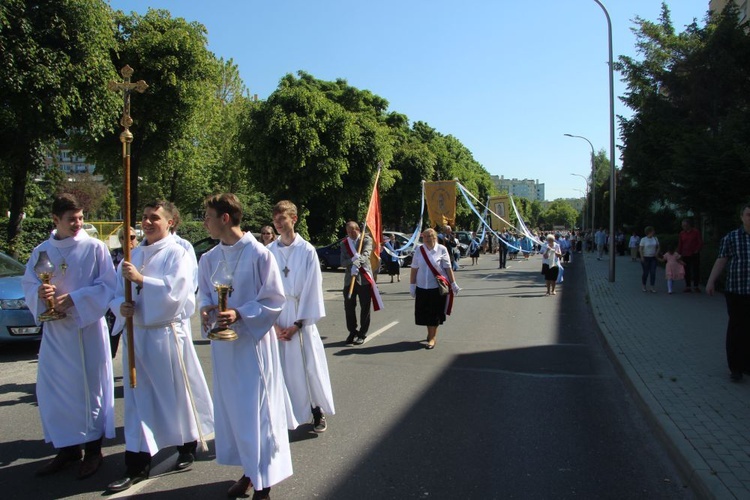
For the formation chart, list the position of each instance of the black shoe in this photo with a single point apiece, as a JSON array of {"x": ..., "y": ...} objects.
[
  {"x": 264, "y": 494},
  {"x": 736, "y": 376},
  {"x": 350, "y": 338},
  {"x": 359, "y": 341},
  {"x": 184, "y": 460},
  {"x": 240, "y": 488},
  {"x": 90, "y": 465},
  {"x": 63, "y": 458},
  {"x": 126, "y": 482}
]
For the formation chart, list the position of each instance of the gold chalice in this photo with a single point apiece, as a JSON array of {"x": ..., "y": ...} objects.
[
  {"x": 222, "y": 280},
  {"x": 45, "y": 270}
]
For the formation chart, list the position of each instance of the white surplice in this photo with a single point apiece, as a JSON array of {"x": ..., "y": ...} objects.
[
  {"x": 159, "y": 411},
  {"x": 74, "y": 384},
  {"x": 248, "y": 383},
  {"x": 307, "y": 379}
]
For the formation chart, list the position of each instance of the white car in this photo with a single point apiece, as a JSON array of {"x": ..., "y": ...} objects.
[{"x": 91, "y": 230}]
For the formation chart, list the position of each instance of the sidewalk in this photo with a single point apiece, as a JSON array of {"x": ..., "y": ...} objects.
[{"x": 671, "y": 350}]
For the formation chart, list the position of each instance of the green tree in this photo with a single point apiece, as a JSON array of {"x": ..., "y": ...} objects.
[
  {"x": 55, "y": 69},
  {"x": 560, "y": 213},
  {"x": 171, "y": 55},
  {"x": 687, "y": 139}
]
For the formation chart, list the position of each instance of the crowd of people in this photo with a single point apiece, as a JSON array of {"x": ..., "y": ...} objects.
[{"x": 273, "y": 305}]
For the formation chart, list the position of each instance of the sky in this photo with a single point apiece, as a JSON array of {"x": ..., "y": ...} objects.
[{"x": 505, "y": 77}]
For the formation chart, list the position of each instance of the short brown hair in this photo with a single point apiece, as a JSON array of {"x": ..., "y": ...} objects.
[
  {"x": 226, "y": 203},
  {"x": 65, "y": 202},
  {"x": 168, "y": 206},
  {"x": 285, "y": 207}
]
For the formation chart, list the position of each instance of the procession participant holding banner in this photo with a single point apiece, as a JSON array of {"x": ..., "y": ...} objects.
[
  {"x": 171, "y": 405},
  {"x": 303, "y": 357},
  {"x": 357, "y": 268},
  {"x": 74, "y": 386},
  {"x": 248, "y": 383},
  {"x": 431, "y": 264}
]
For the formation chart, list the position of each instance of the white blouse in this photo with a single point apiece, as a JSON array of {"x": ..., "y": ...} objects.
[{"x": 440, "y": 259}]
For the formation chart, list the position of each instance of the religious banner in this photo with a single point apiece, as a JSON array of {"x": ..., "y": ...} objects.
[
  {"x": 499, "y": 205},
  {"x": 441, "y": 202}
]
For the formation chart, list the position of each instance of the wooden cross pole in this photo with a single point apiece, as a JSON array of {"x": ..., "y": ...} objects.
[{"x": 126, "y": 138}]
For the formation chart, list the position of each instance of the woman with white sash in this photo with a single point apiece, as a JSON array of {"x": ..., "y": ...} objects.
[{"x": 431, "y": 262}]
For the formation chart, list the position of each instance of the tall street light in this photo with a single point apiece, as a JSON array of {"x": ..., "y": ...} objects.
[
  {"x": 586, "y": 197},
  {"x": 593, "y": 181},
  {"x": 613, "y": 170}
]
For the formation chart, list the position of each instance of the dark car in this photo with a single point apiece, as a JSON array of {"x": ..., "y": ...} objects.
[
  {"x": 16, "y": 321},
  {"x": 206, "y": 244},
  {"x": 203, "y": 246},
  {"x": 464, "y": 240},
  {"x": 329, "y": 256}
]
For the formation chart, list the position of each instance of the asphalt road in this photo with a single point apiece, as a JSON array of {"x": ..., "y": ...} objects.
[{"x": 518, "y": 400}]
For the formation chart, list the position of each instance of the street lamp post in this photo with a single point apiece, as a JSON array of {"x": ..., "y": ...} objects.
[
  {"x": 583, "y": 209},
  {"x": 613, "y": 170},
  {"x": 585, "y": 197},
  {"x": 593, "y": 181}
]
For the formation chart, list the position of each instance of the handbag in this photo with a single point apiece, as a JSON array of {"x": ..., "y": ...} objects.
[{"x": 443, "y": 286}]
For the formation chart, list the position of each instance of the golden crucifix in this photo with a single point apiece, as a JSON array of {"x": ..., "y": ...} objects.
[{"x": 126, "y": 138}]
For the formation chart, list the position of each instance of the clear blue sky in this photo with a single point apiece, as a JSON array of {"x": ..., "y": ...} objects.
[{"x": 506, "y": 77}]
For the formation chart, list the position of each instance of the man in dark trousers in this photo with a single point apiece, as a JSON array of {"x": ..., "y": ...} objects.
[{"x": 356, "y": 262}]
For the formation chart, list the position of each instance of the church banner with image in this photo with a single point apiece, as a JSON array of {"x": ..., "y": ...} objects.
[{"x": 441, "y": 202}]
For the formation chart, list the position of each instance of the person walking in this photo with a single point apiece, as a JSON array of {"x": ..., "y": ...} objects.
[
  {"x": 118, "y": 254},
  {"x": 431, "y": 262},
  {"x": 633, "y": 244},
  {"x": 248, "y": 383},
  {"x": 734, "y": 255},
  {"x": 74, "y": 386},
  {"x": 171, "y": 405},
  {"x": 267, "y": 235},
  {"x": 648, "y": 248},
  {"x": 303, "y": 357},
  {"x": 356, "y": 263},
  {"x": 600, "y": 240},
  {"x": 689, "y": 247},
  {"x": 551, "y": 254},
  {"x": 674, "y": 268}
]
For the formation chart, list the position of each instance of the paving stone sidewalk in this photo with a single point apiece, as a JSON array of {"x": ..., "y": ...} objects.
[{"x": 671, "y": 350}]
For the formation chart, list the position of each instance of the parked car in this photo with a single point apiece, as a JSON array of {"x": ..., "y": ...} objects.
[
  {"x": 203, "y": 246},
  {"x": 464, "y": 240},
  {"x": 90, "y": 230},
  {"x": 329, "y": 256},
  {"x": 16, "y": 321}
]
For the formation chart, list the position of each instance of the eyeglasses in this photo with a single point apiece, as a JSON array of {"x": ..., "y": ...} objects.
[{"x": 132, "y": 237}]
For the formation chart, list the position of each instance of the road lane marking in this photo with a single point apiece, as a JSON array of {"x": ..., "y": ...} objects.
[{"x": 378, "y": 332}]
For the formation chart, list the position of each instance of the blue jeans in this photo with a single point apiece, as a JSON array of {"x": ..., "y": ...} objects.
[{"x": 649, "y": 269}]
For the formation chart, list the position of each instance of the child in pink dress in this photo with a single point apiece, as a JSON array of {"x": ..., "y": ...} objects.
[{"x": 674, "y": 269}]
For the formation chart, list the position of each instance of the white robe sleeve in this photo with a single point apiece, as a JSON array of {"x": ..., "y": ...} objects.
[
  {"x": 164, "y": 298},
  {"x": 311, "y": 305},
  {"x": 91, "y": 302},
  {"x": 259, "y": 315}
]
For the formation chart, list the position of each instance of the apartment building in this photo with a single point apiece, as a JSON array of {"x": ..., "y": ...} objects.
[{"x": 744, "y": 6}]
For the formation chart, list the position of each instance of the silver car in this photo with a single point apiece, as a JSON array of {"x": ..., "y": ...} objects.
[{"x": 16, "y": 321}]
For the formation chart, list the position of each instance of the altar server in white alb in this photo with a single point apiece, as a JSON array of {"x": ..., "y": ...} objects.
[
  {"x": 74, "y": 384},
  {"x": 249, "y": 394},
  {"x": 303, "y": 356},
  {"x": 170, "y": 405}
]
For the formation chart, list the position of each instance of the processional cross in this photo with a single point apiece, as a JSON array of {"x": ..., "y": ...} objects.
[{"x": 126, "y": 138}]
